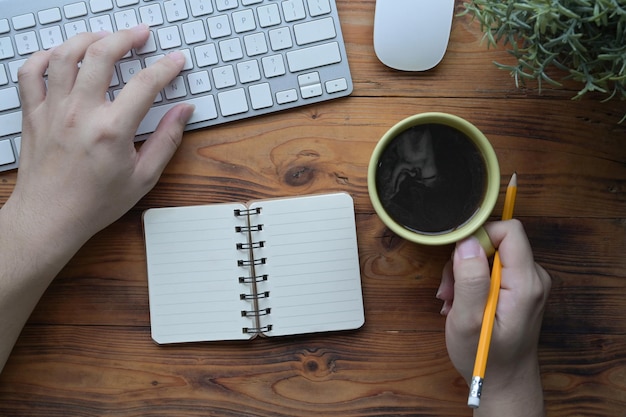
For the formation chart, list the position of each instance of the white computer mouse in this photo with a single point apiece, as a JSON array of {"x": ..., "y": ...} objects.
[{"x": 412, "y": 35}]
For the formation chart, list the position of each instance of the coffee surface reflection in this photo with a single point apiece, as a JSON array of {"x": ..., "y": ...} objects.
[{"x": 431, "y": 179}]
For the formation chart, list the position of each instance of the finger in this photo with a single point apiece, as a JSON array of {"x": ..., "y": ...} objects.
[
  {"x": 519, "y": 270},
  {"x": 445, "y": 292},
  {"x": 32, "y": 84},
  {"x": 156, "y": 152},
  {"x": 138, "y": 95},
  {"x": 471, "y": 284},
  {"x": 64, "y": 61},
  {"x": 96, "y": 70},
  {"x": 512, "y": 243}
]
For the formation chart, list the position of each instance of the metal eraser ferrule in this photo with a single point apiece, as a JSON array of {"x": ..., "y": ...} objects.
[{"x": 476, "y": 387}]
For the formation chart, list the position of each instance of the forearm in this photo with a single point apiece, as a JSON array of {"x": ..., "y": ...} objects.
[
  {"x": 33, "y": 252},
  {"x": 519, "y": 395}
]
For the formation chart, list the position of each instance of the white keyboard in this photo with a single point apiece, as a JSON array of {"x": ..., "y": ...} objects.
[{"x": 244, "y": 57}]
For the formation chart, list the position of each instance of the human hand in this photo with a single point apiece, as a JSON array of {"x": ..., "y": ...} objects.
[
  {"x": 79, "y": 168},
  {"x": 512, "y": 370}
]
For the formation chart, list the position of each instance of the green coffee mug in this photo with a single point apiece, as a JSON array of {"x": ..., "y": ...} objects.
[{"x": 430, "y": 157}]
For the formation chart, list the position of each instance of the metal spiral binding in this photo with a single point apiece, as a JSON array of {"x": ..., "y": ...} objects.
[
  {"x": 243, "y": 262},
  {"x": 255, "y": 313},
  {"x": 249, "y": 280},
  {"x": 254, "y": 330},
  {"x": 246, "y": 212},
  {"x": 253, "y": 245},
  {"x": 265, "y": 294},
  {"x": 253, "y": 228}
]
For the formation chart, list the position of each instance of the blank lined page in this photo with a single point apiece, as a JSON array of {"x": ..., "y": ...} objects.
[
  {"x": 314, "y": 279},
  {"x": 193, "y": 275}
]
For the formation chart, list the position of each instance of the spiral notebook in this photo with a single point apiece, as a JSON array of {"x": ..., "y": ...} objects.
[{"x": 234, "y": 271}]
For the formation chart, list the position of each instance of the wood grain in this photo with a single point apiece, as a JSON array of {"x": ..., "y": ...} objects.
[{"x": 86, "y": 350}]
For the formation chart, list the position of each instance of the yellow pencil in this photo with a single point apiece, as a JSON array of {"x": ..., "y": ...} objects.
[{"x": 489, "y": 314}]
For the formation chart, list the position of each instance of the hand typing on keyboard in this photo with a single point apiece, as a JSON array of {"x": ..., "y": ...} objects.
[
  {"x": 243, "y": 58},
  {"x": 80, "y": 170}
]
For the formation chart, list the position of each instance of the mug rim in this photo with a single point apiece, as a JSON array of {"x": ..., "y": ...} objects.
[{"x": 493, "y": 177}]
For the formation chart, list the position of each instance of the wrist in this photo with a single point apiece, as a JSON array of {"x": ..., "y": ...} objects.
[{"x": 514, "y": 392}]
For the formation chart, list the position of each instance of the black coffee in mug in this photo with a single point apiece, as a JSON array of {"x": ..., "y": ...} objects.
[{"x": 431, "y": 179}]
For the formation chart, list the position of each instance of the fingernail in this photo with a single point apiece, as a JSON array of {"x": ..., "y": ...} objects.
[
  {"x": 142, "y": 27},
  {"x": 445, "y": 309},
  {"x": 469, "y": 248},
  {"x": 177, "y": 56},
  {"x": 187, "y": 112}
]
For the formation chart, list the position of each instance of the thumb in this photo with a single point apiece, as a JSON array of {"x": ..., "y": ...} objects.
[
  {"x": 471, "y": 284},
  {"x": 156, "y": 152}
]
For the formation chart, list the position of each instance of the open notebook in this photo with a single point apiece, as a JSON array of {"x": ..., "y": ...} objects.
[{"x": 273, "y": 267}]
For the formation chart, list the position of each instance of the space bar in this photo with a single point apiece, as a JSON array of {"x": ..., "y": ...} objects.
[{"x": 205, "y": 110}]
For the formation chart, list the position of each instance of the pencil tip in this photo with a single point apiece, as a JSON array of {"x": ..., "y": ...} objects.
[{"x": 513, "y": 182}]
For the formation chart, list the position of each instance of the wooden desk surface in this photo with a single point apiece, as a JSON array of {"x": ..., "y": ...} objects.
[{"x": 86, "y": 350}]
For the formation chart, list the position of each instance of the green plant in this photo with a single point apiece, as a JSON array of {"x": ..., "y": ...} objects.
[{"x": 584, "y": 38}]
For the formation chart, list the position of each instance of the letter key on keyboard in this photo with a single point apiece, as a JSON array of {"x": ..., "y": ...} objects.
[{"x": 243, "y": 57}]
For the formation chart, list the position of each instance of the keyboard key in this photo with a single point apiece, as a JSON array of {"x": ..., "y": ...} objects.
[
  {"x": 129, "y": 69},
  {"x": 169, "y": 37},
  {"x": 75, "y": 10},
  {"x": 287, "y": 96},
  {"x": 6, "y": 152},
  {"x": 318, "y": 7},
  {"x": 148, "y": 47},
  {"x": 261, "y": 96},
  {"x": 199, "y": 82},
  {"x": 224, "y": 76},
  {"x": 233, "y": 102},
  {"x": 175, "y": 10},
  {"x": 101, "y": 23},
  {"x": 314, "y": 31},
  {"x": 244, "y": 21},
  {"x": 200, "y": 7},
  {"x": 9, "y": 98},
  {"x": 223, "y": 5},
  {"x": 219, "y": 26},
  {"x": 193, "y": 32},
  {"x": 269, "y": 15},
  {"x": 126, "y": 19},
  {"x": 4, "y": 26},
  {"x": 4, "y": 79},
  {"x": 98, "y": 6},
  {"x": 14, "y": 67},
  {"x": 74, "y": 28},
  {"x": 248, "y": 71},
  {"x": 24, "y": 21},
  {"x": 230, "y": 49},
  {"x": 255, "y": 44},
  {"x": 51, "y": 37},
  {"x": 175, "y": 89},
  {"x": 280, "y": 39},
  {"x": 335, "y": 86},
  {"x": 26, "y": 43},
  {"x": 124, "y": 3},
  {"x": 6, "y": 48},
  {"x": 205, "y": 110},
  {"x": 293, "y": 10},
  {"x": 10, "y": 123},
  {"x": 49, "y": 16},
  {"x": 313, "y": 57},
  {"x": 273, "y": 66},
  {"x": 205, "y": 55},
  {"x": 151, "y": 15}
]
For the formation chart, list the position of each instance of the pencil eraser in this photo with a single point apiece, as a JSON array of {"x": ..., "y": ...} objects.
[{"x": 473, "y": 402}]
